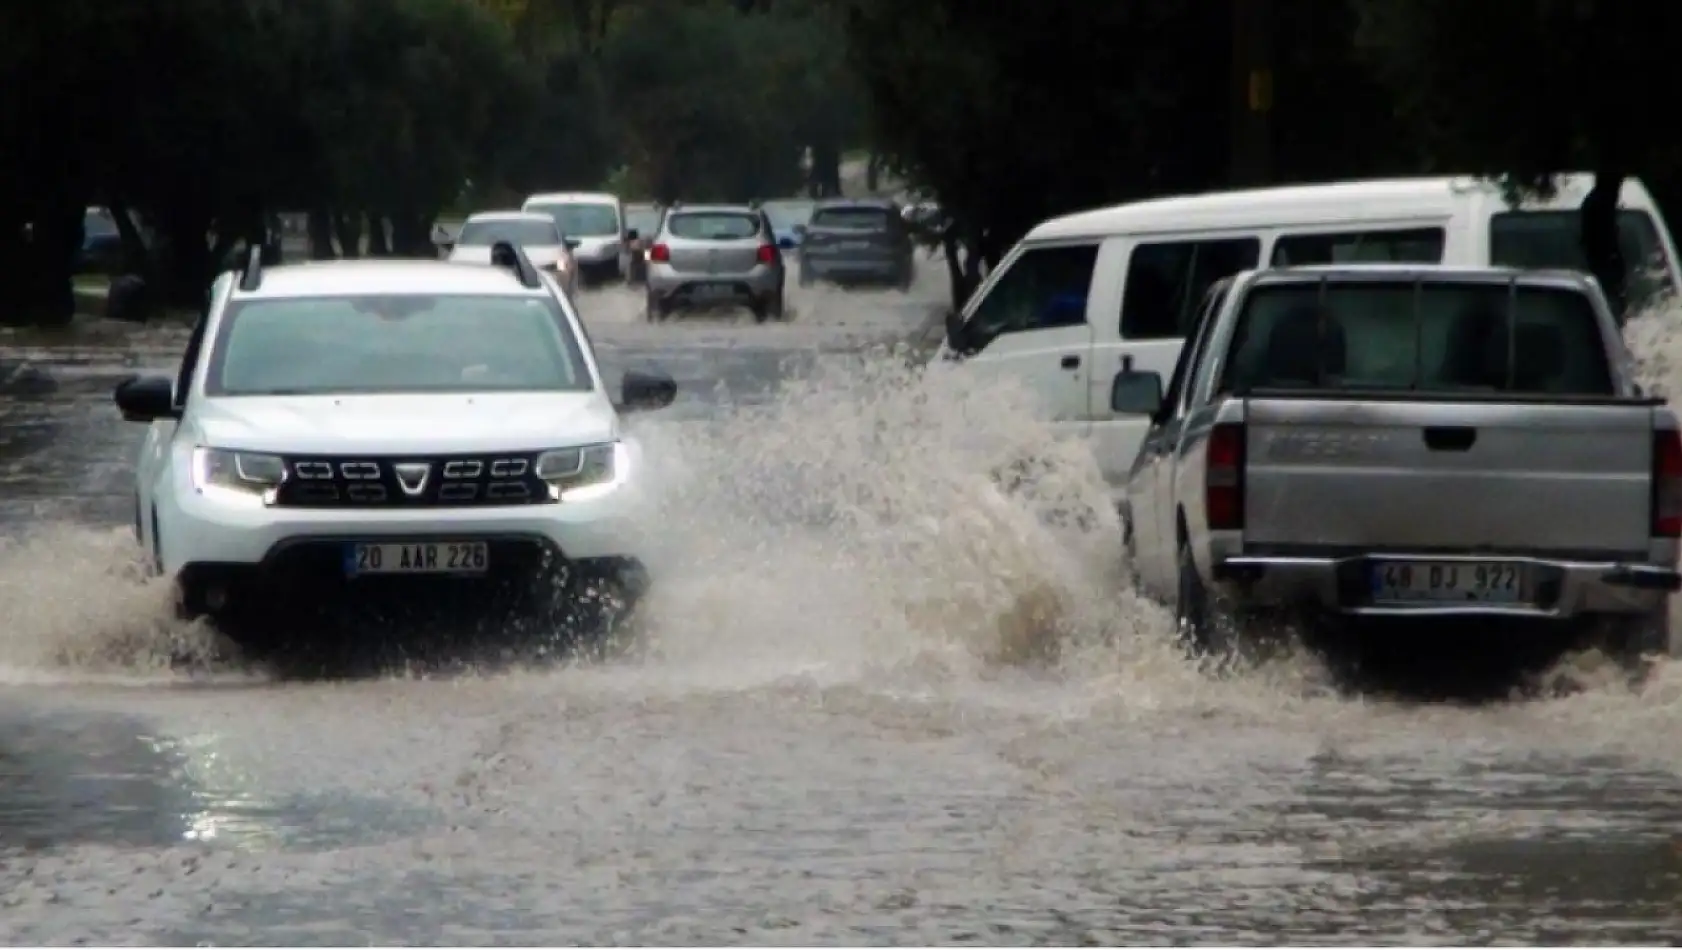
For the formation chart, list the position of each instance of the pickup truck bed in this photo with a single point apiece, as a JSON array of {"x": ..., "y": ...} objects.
[{"x": 1536, "y": 477}]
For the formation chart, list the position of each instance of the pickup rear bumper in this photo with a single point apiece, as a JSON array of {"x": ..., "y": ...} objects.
[{"x": 1343, "y": 584}]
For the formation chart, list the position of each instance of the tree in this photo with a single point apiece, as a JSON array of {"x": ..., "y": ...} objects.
[
  {"x": 1010, "y": 119},
  {"x": 1525, "y": 89}
]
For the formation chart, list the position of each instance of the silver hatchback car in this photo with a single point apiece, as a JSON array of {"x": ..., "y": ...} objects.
[{"x": 715, "y": 255}]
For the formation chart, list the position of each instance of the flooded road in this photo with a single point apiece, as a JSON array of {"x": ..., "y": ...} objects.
[{"x": 871, "y": 704}]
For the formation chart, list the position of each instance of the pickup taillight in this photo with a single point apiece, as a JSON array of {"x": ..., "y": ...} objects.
[
  {"x": 1667, "y": 484},
  {"x": 1223, "y": 477}
]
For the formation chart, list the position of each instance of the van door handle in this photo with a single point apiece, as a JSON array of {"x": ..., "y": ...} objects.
[
  {"x": 1071, "y": 362},
  {"x": 1127, "y": 362}
]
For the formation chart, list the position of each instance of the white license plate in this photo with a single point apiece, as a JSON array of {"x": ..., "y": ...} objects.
[
  {"x": 420, "y": 557},
  {"x": 1447, "y": 582}
]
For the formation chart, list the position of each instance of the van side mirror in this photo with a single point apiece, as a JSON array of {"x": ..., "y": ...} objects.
[
  {"x": 1136, "y": 393},
  {"x": 572, "y": 244},
  {"x": 632, "y": 234}
]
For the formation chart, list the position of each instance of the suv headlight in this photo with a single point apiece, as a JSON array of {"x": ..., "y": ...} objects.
[
  {"x": 250, "y": 475},
  {"x": 584, "y": 472}
]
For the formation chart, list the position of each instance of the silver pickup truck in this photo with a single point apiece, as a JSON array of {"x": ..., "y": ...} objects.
[{"x": 1384, "y": 441}]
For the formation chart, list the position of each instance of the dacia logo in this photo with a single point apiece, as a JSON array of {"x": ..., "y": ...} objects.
[{"x": 1324, "y": 444}]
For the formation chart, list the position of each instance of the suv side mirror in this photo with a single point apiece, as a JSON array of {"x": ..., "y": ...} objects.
[
  {"x": 146, "y": 398},
  {"x": 572, "y": 244},
  {"x": 643, "y": 391},
  {"x": 1136, "y": 393}
]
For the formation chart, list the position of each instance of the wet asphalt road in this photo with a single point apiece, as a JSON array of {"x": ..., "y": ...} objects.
[{"x": 822, "y": 743}]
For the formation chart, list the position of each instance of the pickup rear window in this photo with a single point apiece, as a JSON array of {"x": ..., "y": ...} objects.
[{"x": 1430, "y": 337}]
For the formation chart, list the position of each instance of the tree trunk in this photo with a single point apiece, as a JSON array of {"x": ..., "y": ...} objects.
[
  {"x": 189, "y": 263},
  {"x": 348, "y": 228},
  {"x": 411, "y": 234},
  {"x": 320, "y": 227},
  {"x": 1601, "y": 248},
  {"x": 137, "y": 256},
  {"x": 824, "y": 180},
  {"x": 379, "y": 242}
]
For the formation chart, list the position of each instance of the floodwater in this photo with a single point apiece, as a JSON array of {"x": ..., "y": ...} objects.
[{"x": 870, "y": 702}]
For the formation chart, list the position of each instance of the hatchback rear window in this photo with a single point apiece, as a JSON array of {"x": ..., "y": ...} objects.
[
  {"x": 713, "y": 225},
  {"x": 1425, "y": 337},
  {"x": 852, "y": 219}
]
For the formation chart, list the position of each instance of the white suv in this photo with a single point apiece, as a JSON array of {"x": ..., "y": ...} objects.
[{"x": 342, "y": 427}]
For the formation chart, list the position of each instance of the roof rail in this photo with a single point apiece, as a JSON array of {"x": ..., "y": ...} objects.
[
  {"x": 252, "y": 276},
  {"x": 509, "y": 255}
]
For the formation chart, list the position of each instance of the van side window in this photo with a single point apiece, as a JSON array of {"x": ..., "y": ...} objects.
[
  {"x": 1542, "y": 240},
  {"x": 1166, "y": 283},
  {"x": 1045, "y": 287},
  {"x": 1394, "y": 245}
]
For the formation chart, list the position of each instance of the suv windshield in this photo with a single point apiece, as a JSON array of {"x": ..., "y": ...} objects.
[
  {"x": 1438, "y": 337},
  {"x": 396, "y": 343},
  {"x": 713, "y": 225},
  {"x": 852, "y": 219},
  {"x": 582, "y": 220},
  {"x": 484, "y": 233}
]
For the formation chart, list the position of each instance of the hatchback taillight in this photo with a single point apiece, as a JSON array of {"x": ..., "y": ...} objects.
[
  {"x": 767, "y": 254},
  {"x": 1667, "y": 484},
  {"x": 1223, "y": 477},
  {"x": 660, "y": 253}
]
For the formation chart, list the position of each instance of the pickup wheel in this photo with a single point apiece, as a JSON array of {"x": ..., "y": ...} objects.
[
  {"x": 1200, "y": 626},
  {"x": 1637, "y": 641}
]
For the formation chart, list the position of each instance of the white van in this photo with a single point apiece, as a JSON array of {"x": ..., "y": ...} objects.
[
  {"x": 1087, "y": 295},
  {"x": 595, "y": 220}
]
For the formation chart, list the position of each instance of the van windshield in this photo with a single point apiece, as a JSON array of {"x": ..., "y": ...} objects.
[
  {"x": 1539, "y": 240},
  {"x": 1426, "y": 337}
]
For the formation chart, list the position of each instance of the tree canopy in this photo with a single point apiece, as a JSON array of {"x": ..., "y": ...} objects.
[{"x": 197, "y": 121}]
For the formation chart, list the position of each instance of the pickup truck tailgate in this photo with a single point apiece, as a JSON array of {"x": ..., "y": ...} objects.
[{"x": 1468, "y": 476}]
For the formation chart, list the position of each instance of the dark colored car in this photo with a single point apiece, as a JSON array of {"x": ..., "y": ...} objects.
[{"x": 857, "y": 241}]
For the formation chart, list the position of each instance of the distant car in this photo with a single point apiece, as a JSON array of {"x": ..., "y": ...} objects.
[
  {"x": 533, "y": 232},
  {"x": 102, "y": 243},
  {"x": 641, "y": 223},
  {"x": 596, "y": 220},
  {"x": 788, "y": 217},
  {"x": 711, "y": 255},
  {"x": 857, "y": 241}
]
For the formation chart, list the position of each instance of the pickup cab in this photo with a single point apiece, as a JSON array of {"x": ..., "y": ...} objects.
[{"x": 1397, "y": 441}]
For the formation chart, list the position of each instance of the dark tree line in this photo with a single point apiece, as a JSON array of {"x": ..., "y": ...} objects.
[
  {"x": 196, "y": 121},
  {"x": 1011, "y": 114}
]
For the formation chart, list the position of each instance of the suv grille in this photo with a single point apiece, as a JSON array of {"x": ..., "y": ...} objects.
[{"x": 412, "y": 481}]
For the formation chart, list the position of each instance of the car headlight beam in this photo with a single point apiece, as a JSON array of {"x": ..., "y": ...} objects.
[
  {"x": 584, "y": 472},
  {"x": 238, "y": 475}
]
